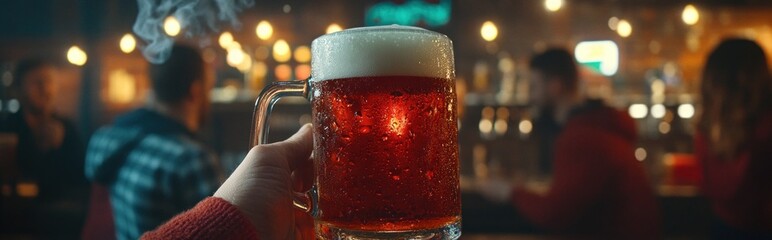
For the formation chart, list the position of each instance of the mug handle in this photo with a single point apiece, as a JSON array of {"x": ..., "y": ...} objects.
[{"x": 262, "y": 111}]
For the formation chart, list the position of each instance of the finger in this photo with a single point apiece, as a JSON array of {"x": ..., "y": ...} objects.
[
  {"x": 303, "y": 176},
  {"x": 298, "y": 147},
  {"x": 285, "y": 154}
]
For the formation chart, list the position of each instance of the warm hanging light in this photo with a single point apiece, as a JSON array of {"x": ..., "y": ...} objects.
[
  {"x": 172, "y": 26},
  {"x": 128, "y": 43},
  {"x": 225, "y": 40},
  {"x": 281, "y": 51},
  {"x": 333, "y": 28},
  {"x": 690, "y": 15},
  {"x": 302, "y": 54},
  {"x": 624, "y": 29},
  {"x": 640, "y": 154},
  {"x": 638, "y": 111},
  {"x": 246, "y": 63},
  {"x": 658, "y": 111},
  {"x": 235, "y": 56},
  {"x": 553, "y": 5},
  {"x": 264, "y": 30},
  {"x": 76, "y": 56},
  {"x": 489, "y": 31},
  {"x": 525, "y": 126},
  {"x": 686, "y": 111}
]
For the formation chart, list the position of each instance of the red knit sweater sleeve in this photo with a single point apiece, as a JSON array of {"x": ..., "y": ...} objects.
[{"x": 212, "y": 218}]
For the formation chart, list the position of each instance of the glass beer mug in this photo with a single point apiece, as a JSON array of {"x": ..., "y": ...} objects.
[{"x": 385, "y": 134}]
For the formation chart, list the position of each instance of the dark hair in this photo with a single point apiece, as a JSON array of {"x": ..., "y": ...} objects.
[
  {"x": 172, "y": 79},
  {"x": 557, "y": 63},
  {"x": 736, "y": 92},
  {"x": 28, "y": 65}
]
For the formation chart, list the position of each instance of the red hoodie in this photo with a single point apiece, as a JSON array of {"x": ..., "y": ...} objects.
[
  {"x": 740, "y": 189},
  {"x": 598, "y": 187}
]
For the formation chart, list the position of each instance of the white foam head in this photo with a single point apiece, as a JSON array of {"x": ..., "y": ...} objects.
[{"x": 382, "y": 51}]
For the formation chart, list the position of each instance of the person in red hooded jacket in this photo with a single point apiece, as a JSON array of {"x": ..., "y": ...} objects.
[
  {"x": 598, "y": 189},
  {"x": 734, "y": 140}
]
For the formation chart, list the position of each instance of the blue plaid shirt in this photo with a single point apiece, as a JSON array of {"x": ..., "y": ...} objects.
[{"x": 153, "y": 167}]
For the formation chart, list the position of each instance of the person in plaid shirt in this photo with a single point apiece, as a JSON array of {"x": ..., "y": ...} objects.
[{"x": 149, "y": 159}]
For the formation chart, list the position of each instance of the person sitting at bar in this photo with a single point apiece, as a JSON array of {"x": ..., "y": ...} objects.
[
  {"x": 598, "y": 189},
  {"x": 49, "y": 153},
  {"x": 733, "y": 141},
  {"x": 149, "y": 158}
]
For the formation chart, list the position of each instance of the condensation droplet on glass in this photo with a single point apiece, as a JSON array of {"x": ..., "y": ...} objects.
[
  {"x": 395, "y": 177},
  {"x": 334, "y": 158},
  {"x": 430, "y": 111},
  {"x": 429, "y": 175},
  {"x": 364, "y": 129},
  {"x": 385, "y": 138},
  {"x": 345, "y": 138},
  {"x": 317, "y": 93}
]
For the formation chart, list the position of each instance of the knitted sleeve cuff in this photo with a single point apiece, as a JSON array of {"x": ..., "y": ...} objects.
[{"x": 212, "y": 218}]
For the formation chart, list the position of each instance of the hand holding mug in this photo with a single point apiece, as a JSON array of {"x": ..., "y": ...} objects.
[{"x": 262, "y": 187}]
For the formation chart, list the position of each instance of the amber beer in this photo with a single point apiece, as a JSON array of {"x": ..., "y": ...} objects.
[
  {"x": 385, "y": 134},
  {"x": 387, "y": 153}
]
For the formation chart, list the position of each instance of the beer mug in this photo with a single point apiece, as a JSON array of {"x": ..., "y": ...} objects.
[{"x": 385, "y": 134}]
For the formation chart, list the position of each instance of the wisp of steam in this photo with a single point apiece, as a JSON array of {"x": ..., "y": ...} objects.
[{"x": 197, "y": 17}]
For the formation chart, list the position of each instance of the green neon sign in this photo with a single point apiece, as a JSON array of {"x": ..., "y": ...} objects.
[{"x": 411, "y": 13}]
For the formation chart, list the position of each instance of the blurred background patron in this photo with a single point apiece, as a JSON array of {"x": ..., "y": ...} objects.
[
  {"x": 734, "y": 140},
  {"x": 48, "y": 168},
  {"x": 597, "y": 188},
  {"x": 149, "y": 158}
]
